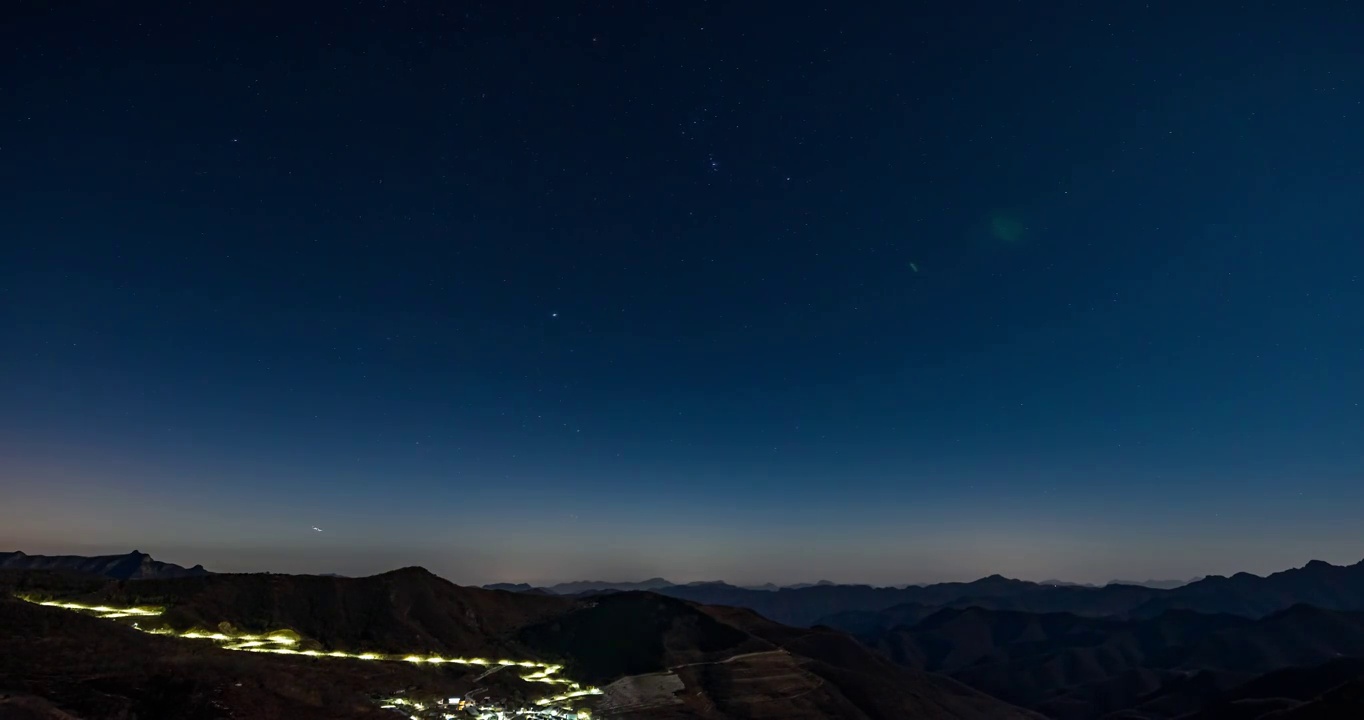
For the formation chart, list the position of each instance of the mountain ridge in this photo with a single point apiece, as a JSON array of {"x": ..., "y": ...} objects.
[
  {"x": 1318, "y": 583},
  {"x": 135, "y": 565},
  {"x": 1338, "y": 587}
]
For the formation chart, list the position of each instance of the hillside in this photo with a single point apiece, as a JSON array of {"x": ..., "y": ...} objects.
[
  {"x": 635, "y": 633},
  {"x": 408, "y": 610},
  {"x": 863, "y": 622},
  {"x": 1289, "y": 689},
  {"x": 866, "y": 678},
  {"x": 1344, "y": 701},
  {"x": 1072, "y": 667},
  {"x": 56, "y": 664}
]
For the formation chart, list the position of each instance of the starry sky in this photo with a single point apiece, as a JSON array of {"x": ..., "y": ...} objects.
[{"x": 876, "y": 292}]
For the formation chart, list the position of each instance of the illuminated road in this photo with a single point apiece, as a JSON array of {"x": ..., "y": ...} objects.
[{"x": 282, "y": 643}]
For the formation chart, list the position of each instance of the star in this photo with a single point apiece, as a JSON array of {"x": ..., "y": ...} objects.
[{"x": 554, "y": 315}]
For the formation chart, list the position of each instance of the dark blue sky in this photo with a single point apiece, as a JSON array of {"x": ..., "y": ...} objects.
[{"x": 763, "y": 291}]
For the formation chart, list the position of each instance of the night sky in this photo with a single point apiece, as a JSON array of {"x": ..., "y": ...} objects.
[{"x": 874, "y": 292}]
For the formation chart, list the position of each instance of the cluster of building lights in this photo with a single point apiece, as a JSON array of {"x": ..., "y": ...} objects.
[{"x": 484, "y": 713}]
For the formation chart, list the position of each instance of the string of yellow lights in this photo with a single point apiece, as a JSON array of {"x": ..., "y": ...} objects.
[{"x": 283, "y": 643}]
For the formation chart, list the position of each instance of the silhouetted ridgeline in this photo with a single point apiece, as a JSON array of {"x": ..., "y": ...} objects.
[
  {"x": 133, "y": 566},
  {"x": 1317, "y": 583}
]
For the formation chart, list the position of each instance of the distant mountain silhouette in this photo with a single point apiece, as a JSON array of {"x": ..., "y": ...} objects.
[
  {"x": 820, "y": 583},
  {"x": 574, "y": 588},
  {"x": 511, "y": 587},
  {"x": 768, "y": 587},
  {"x": 807, "y": 605},
  {"x": 1063, "y": 583},
  {"x": 597, "y": 586},
  {"x": 133, "y": 566},
  {"x": 1317, "y": 583},
  {"x": 1157, "y": 584}
]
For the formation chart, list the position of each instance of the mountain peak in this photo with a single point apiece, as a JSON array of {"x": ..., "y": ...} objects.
[{"x": 1317, "y": 565}]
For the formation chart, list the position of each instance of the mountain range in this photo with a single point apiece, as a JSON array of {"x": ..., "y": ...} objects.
[
  {"x": 1317, "y": 583},
  {"x": 1286, "y": 646},
  {"x": 133, "y": 566},
  {"x": 653, "y": 656},
  {"x": 658, "y": 583}
]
